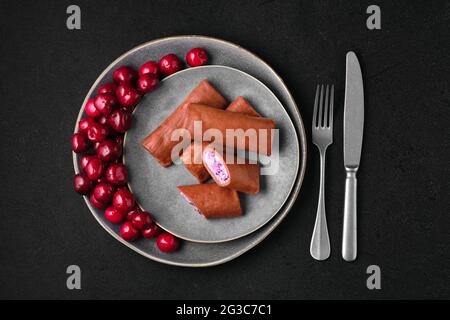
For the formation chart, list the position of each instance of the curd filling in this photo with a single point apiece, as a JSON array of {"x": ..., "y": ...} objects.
[{"x": 214, "y": 163}]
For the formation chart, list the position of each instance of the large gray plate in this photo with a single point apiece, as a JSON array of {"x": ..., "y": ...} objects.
[
  {"x": 155, "y": 186},
  {"x": 194, "y": 254}
]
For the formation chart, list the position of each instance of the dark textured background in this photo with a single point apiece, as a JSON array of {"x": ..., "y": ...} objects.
[{"x": 404, "y": 203}]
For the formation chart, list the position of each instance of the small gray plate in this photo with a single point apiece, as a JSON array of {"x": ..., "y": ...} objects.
[
  {"x": 194, "y": 254},
  {"x": 155, "y": 186}
]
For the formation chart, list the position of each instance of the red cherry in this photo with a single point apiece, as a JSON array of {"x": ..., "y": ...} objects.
[
  {"x": 127, "y": 95},
  {"x": 84, "y": 160},
  {"x": 167, "y": 242},
  {"x": 119, "y": 120},
  {"x": 103, "y": 120},
  {"x": 94, "y": 168},
  {"x": 103, "y": 192},
  {"x": 102, "y": 179},
  {"x": 119, "y": 140},
  {"x": 128, "y": 110},
  {"x": 105, "y": 103},
  {"x": 90, "y": 109},
  {"x": 147, "y": 83},
  {"x": 82, "y": 184},
  {"x": 149, "y": 67},
  {"x": 169, "y": 64},
  {"x": 151, "y": 231},
  {"x": 113, "y": 215},
  {"x": 107, "y": 88},
  {"x": 97, "y": 132},
  {"x": 96, "y": 203},
  {"x": 95, "y": 146},
  {"x": 132, "y": 213},
  {"x": 117, "y": 174},
  {"x": 108, "y": 151},
  {"x": 128, "y": 232},
  {"x": 79, "y": 142},
  {"x": 124, "y": 74},
  {"x": 141, "y": 220},
  {"x": 119, "y": 147},
  {"x": 196, "y": 57},
  {"x": 123, "y": 200},
  {"x": 84, "y": 124}
]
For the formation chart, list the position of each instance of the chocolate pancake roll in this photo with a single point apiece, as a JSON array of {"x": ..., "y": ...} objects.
[
  {"x": 192, "y": 155},
  {"x": 241, "y": 105},
  {"x": 159, "y": 143},
  {"x": 238, "y": 176},
  {"x": 192, "y": 160},
  {"x": 212, "y": 201},
  {"x": 248, "y": 132}
]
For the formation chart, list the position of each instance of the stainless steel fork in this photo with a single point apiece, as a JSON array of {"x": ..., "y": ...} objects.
[{"x": 322, "y": 136}]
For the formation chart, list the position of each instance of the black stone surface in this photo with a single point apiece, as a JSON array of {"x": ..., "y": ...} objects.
[{"x": 404, "y": 203}]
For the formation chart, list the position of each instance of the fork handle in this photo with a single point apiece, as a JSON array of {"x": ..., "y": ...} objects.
[
  {"x": 349, "y": 246},
  {"x": 320, "y": 242}
]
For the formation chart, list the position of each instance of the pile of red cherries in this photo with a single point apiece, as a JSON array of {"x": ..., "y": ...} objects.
[{"x": 99, "y": 141}]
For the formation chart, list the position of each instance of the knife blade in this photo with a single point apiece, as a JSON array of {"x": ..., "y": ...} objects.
[
  {"x": 353, "y": 112},
  {"x": 353, "y": 136}
]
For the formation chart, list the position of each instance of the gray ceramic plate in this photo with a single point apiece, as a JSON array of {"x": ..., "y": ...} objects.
[
  {"x": 192, "y": 254},
  {"x": 155, "y": 186}
]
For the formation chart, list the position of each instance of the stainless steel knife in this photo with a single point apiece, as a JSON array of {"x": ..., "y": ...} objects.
[{"x": 353, "y": 136}]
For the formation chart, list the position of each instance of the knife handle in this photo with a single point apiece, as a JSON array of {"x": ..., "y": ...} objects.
[{"x": 349, "y": 229}]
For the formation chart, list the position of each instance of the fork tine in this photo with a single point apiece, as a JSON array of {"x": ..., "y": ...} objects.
[
  {"x": 320, "y": 115},
  {"x": 325, "y": 111},
  {"x": 331, "y": 106},
  {"x": 316, "y": 102}
]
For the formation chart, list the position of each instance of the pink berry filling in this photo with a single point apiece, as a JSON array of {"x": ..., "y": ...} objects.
[{"x": 215, "y": 164}]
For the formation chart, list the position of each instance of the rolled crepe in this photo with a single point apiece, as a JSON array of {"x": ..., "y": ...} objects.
[
  {"x": 159, "y": 143},
  {"x": 240, "y": 105},
  {"x": 238, "y": 176},
  {"x": 221, "y": 120},
  {"x": 192, "y": 155},
  {"x": 192, "y": 160},
  {"x": 212, "y": 201}
]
